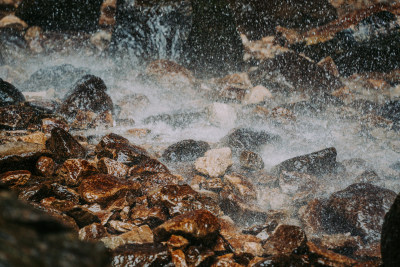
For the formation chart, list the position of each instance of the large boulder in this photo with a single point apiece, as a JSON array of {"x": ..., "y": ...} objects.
[
  {"x": 390, "y": 241},
  {"x": 72, "y": 15},
  {"x": 9, "y": 94}
]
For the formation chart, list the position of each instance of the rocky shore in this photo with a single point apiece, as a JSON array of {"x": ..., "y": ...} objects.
[{"x": 199, "y": 133}]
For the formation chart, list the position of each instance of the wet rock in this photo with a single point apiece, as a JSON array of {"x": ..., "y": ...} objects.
[
  {"x": 20, "y": 155},
  {"x": 316, "y": 163},
  {"x": 141, "y": 255},
  {"x": 283, "y": 260},
  {"x": 222, "y": 115},
  {"x": 301, "y": 74},
  {"x": 107, "y": 15},
  {"x": 214, "y": 184},
  {"x": 177, "y": 242},
  {"x": 64, "y": 146},
  {"x": 178, "y": 258},
  {"x": 293, "y": 182},
  {"x": 215, "y": 162},
  {"x": 391, "y": 111},
  {"x": 45, "y": 166},
  {"x": 73, "y": 171},
  {"x": 153, "y": 217},
  {"x": 199, "y": 255},
  {"x": 250, "y": 160},
  {"x": 82, "y": 216},
  {"x": 286, "y": 239},
  {"x": 23, "y": 116},
  {"x": 344, "y": 244},
  {"x": 314, "y": 215},
  {"x": 92, "y": 232},
  {"x": 391, "y": 235},
  {"x": 132, "y": 105},
  {"x": 369, "y": 176},
  {"x": 67, "y": 16},
  {"x": 186, "y": 150},
  {"x": 241, "y": 187},
  {"x": 139, "y": 235},
  {"x": 170, "y": 74},
  {"x": 88, "y": 95},
  {"x": 150, "y": 181},
  {"x": 49, "y": 124},
  {"x": 11, "y": 21},
  {"x": 327, "y": 257},
  {"x": 360, "y": 209},
  {"x": 9, "y": 95},
  {"x": 257, "y": 95},
  {"x": 148, "y": 166},
  {"x": 100, "y": 188},
  {"x": 121, "y": 227},
  {"x": 213, "y": 21},
  {"x": 248, "y": 139},
  {"x": 200, "y": 225},
  {"x": 112, "y": 167},
  {"x": 36, "y": 137},
  {"x": 180, "y": 119},
  {"x": 43, "y": 239},
  {"x": 17, "y": 178}
]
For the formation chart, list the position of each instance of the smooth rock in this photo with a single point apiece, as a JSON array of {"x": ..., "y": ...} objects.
[
  {"x": 248, "y": 139},
  {"x": 169, "y": 74},
  {"x": 11, "y": 21},
  {"x": 257, "y": 95},
  {"x": 215, "y": 162},
  {"x": 186, "y": 150}
]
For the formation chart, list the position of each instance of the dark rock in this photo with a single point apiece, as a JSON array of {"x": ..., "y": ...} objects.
[
  {"x": 150, "y": 181},
  {"x": 17, "y": 178},
  {"x": 283, "y": 260},
  {"x": 101, "y": 188},
  {"x": 141, "y": 255},
  {"x": 73, "y": 171},
  {"x": 82, "y": 216},
  {"x": 390, "y": 240},
  {"x": 320, "y": 256},
  {"x": 200, "y": 225},
  {"x": 302, "y": 74},
  {"x": 148, "y": 166},
  {"x": 213, "y": 45},
  {"x": 20, "y": 155},
  {"x": 179, "y": 119},
  {"x": 153, "y": 217},
  {"x": 199, "y": 256},
  {"x": 64, "y": 146},
  {"x": 88, "y": 95},
  {"x": 41, "y": 240},
  {"x": 23, "y": 116},
  {"x": 248, "y": 139},
  {"x": 250, "y": 160},
  {"x": 9, "y": 95},
  {"x": 316, "y": 163},
  {"x": 186, "y": 150},
  {"x": 49, "y": 124},
  {"x": 61, "y": 78},
  {"x": 45, "y": 166},
  {"x": 286, "y": 239},
  {"x": 61, "y": 15},
  {"x": 315, "y": 216},
  {"x": 360, "y": 209},
  {"x": 391, "y": 111}
]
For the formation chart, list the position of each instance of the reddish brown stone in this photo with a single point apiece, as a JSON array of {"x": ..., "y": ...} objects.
[
  {"x": 241, "y": 187},
  {"x": 328, "y": 258},
  {"x": 92, "y": 232},
  {"x": 48, "y": 124},
  {"x": 73, "y": 171},
  {"x": 17, "y": 178},
  {"x": 148, "y": 166},
  {"x": 286, "y": 239},
  {"x": 151, "y": 216},
  {"x": 177, "y": 242},
  {"x": 314, "y": 215},
  {"x": 45, "y": 166},
  {"x": 178, "y": 258},
  {"x": 112, "y": 167},
  {"x": 64, "y": 146}
]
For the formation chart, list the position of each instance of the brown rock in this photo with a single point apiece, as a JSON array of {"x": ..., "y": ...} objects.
[
  {"x": 121, "y": 227},
  {"x": 141, "y": 255},
  {"x": 92, "y": 232},
  {"x": 178, "y": 258},
  {"x": 328, "y": 258},
  {"x": 17, "y": 178},
  {"x": 153, "y": 217},
  {"x": 60, "y": 205},
  {"x": 148, "y": 166},
  {"x": 177, "y": 242},
  {"x": 294, "y": 182},
  {"x": 328, "y": 64},
  {"x": 151, "y": 181},
  {"x": 73, "y": 171},
  {"x": 250, "y": 160},
  {"x": 100, "y": 188},
  {"x": 226, "y": 260},
  {"x": 283, "y": 260},
  {"x": 48, "y": 124},
  {"x": 45, "y": 166},
  {"x": 314, "y": 215},
  {"x": 13, "y": 22},
  {"x": 107, "y": 13},
  {"x": 199, "y": 256},
  {"x": 82, "y": 216},
  {"x": 340, "y": 243},
  {"x": 241, "y": 187},
  {"x": 137, "y": 236},
  {"x": 286, "y": 239},
  {"x": 64, "y": 146},
  {"x": 169, "y": 73},
  {"x": 214, "y": 184},
  {"x": 201, "y": 225},
  {"x": 37, "y": 138},
  {"x": 112, "y": 167}
]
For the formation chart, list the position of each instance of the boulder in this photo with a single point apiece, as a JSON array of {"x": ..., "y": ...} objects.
[
  {"x": 286, "y": 239},
  {"x": 73, "y": 171},
  {"x": 186, "y": 150},
  {"x": 64, "y": 146},
  {"x": 9, "y": 95},
  {"x": 390, "y": 241},
  {"x": 22, "y": 116},
  {"x": 215, "y": 162},
  {"x": 61, "y": 15}
]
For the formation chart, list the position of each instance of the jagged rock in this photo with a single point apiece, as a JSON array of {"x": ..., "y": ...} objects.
[
  {"x": 177, "y": 242},
  {"x": 151, "y": 216},
  {"x": 327, "y": 257},
  {"x": 248, "y": 139},
  {"x": 314, "y": 215},
  {"x": 22, "y": 116},
  {"x": 148, "y": 166},
  {"x": 88, "y": 96},
  {"x": 9, "y": 95},
  {"x": 61, "y": 15},
  {"x": 64, "y": 146},
  {"x": 250, "y": 160},
  {"x": 360, "y": 209},
  {"x": 391, "y": 235},
  {"x": 151, "y": 181},
  {"x": 17, "y": 178},
  {"x": 92, "y": 232},
  {"x": 215, "y": 162},
  {"x": 186, "y": 150},
  {"x": 36, "y": 137},
  {"x": 286, "y": 239},
  {"x": 82, "y": 216},
  {"x": 45, "y": 166},
  {"x": 316, "y": 163},
  {"x": 20, "y": 155},
  {"x": 73, "y": 171},
  {"x": 112, "y": 167}
]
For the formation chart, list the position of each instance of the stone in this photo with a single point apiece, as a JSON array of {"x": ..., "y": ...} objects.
[
  {"x": 152, "y": 217},
  {"x": 314, "y": 215},
  {"x": 100, "y": 188},
  {"x": 36, "y": 137},
  {"x": 180, "y": 119},
  {"x": 121, "y": 227},
  {"x": 340, "y": 243},
  {"x": 236, "y": 80},
  {"x": 22, "y": 116},
  {"x": 132, "y": 105},
  {"x": 88, "y": 95},
  {"x": 148, "y": 166},
  {"x": 286, "y": 239},
  {"x": 112, "y": 167},
  {"x": 141, "y": 255},
  {"x": 250, "y": 160},
  {"x": 241, "y": 187},
  {"x": 248, "y": 139},
  {"x": 257, "y": 95},
  {"x": 215, "y": 162},
  {"x": 20, "y": 155},
  {"x": 177, "y": 242},
  {"x": 45, "y": 166},
  {"x": 17, "y": 178},
  {"x": 316, "y": 163},
  {"x": 64, "y": 16},
  {"x": 186, "y": 150},
  {"x": 327, "y": 257},
  {"x": 82, "y": 216},
  {"x": 283, "y": 260},
  {"x": 199, "y": 255},
  {"x": 139, "y": 235},
  {"x": 11, "y": 21},
  {"x": 360, "y": 209},
  {"x": 151, "y": 181},
  {"x": 49, "y": 124},
  {"x": 92, "y": 232},
  {"x": 328, "y": 64},
  {"x": 178, "y": 258},
  {"x": 213, "y": 184},
  {"x": 201, "y": 225},
  {"x": 222, "y": 115},
  {"x": 64, "y": 146},
  {"x": 391, "y": 235},
  {"x": 107, "y": 13},
  {"x": 9, "y": 94},
  {"x": 294, "y": 182}
]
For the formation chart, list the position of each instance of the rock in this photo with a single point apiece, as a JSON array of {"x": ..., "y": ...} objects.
[
  {"x": 20, "y": 155},
  {"x": 73, "y": 171},
  {"x": 241, "y": 187},
  {"x": 152, "y": 217},
  {"x": 92, "y": 232},
  {"x": 82, "y": 216},
  {"x": 36, "y": 138},
  {"x": 250, "y": 160},
  {"x": 199, "y": 255},
  {"x": 391, "y": 235},
  {"x": 64, "y": 16},
  {"x": 360, "y": 209},
  {"x": 299, "y": 74},
  {"x": 133, "y": 105},
  {"x": 214, "y": 184},
  {"x": 11, "y": 21},
  {"x": 49, "y": 124},
  {"x": 328, "y": 64},
  {"x": 139, "y": 235},
  {"x": 34, "y": 37},
  {"x": 112, "y": 167},
  {"x": 315, "y": 216},
  {"x": 340, "y": 243},
  {"x": 17, "y": 178},
  {"x": 316, "y": 163},
  {"x": 257, "y": 95},
  {"x": 169, "y": 74},
  {"x": 100, "y": 188},
  {"x": 391, "y": 111},
  {"x": 186, "y": 150},
  {"x": 64, "y": 146},
  {"x": 286, "y": 239},
  {"x": 213, "y": 21},
  {"x": 151, "y": 181},
  {"x": 215, "y": 162},
  {"x": 177, "y": 242},
  {"x": 107, "y": 15},
  {"x": 148, "y": 166},
  {"x": 201, "y": 225},
  {"x": 222, "y": 115},
  {"x": 179, "y": 119},
  {"x": 178, "y": 258},
  {"x": 88, "y": 95},
  {"x": 45, "y": 166},
  {"x": 327, "y": 257},
  {"x": 9, "y": 95},
  {"x": 22, "y": 116},
  {"x": 293, "y": 182},
  {"x": 42, "y": 239},
  {"x": 283, "y": 260},
  {"x": 141, "y": 255},
  {"x": 248, "y": 139}
]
